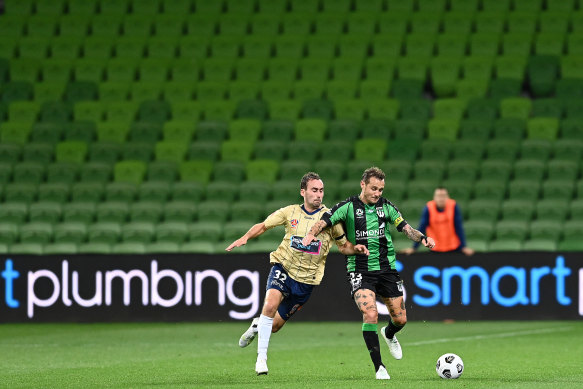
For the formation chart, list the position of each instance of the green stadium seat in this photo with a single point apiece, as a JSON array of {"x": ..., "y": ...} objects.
[
  {"x": 139, "y": 151},
  {"x": 129, "y": 171},
  {"x": 226, "y": 191},
  {"x": 262, "y": 170},
  {"x": 104, "y": 152},
  {"x": 421, "y": 189},
  {"x": 562, "y": 169},
  {"x": 516, "y": 107},
  {"x": 449, "y": 109},
  {"x": 196, "y": 171},
  {"x": 111, "y": 212},
  {"x": 547, "y": 108},
  {"x": 170, "y": 151},
  {"x": 505, "y": 245},
  {"x": 256, "y": 191},
  {"x": 71, "y": 151},
  {"x": 542, "y": 71},
  {"x": 60, "y": 248},
  {"x": 14, "y": 212},
  {"x": 525, "y": 190},
  {"x": 10, "y": 153},
  {"x": 375, "y": 128},
  {"x": 55, "y": 192},
  {"x": 87, "y": 191},
  {"x": 552, "y": 210},
  {"x": 96, "y": 172},
  {"x": 46, "y": 132},
  {"x": 17, "y": 90},
  {"x": 94, "y": 248},
  {"x": 543, "y": 128},
  {"x": 112, "y": 132},
  {"x": 489, "y": 189},
  {"x": 45, "y": 212},
  {"x": 372, "y": 149},
  {"x": 80, "y": 90},
  {"x": 512, "y": 230},
  {"x": 38, "y": 152},
  {"x": 8, "y": 233},
  {"x": 558, "y": 190},
  {"x": 162, "y": 171},
  {"x": 154, "y": 190},
  {"x": 120, "y": 192},
  {"x": 509, "y": 129},
  {"x": 179, "y": 211},
  {"x": 567, "y": 150},
  {"x": 247, "y": 211},
  {"x": 129, "y": 248},
  {"x": 56, "y": 70},
  {"x": 478, "y": 230},
  {"x": 142, "y": 232},
  {"x": 70, "y": 232},
  {"x": 29, "y": 172},
  {"x": 540, "y": 245},
  {"x": 79, "y": 212},
  {"x": 36, "y": 232},
  {"x": 535, "y": 149},
  {"x": 517, "y": 210},
  {"x": 288, "y": 190},
  {"x": 446, "y": 129},
  {"x": 175, "y": 232},
  {"x": 27, "y": 248},
  {"x": 234, "y": 230},
  {"x": 23, "y": 111},
  {"x": 549, "y": 43},
  {"x": 529, "y": 170},
  {"x": 407, "y": 89},
  {"x": 462, "y": 170}
]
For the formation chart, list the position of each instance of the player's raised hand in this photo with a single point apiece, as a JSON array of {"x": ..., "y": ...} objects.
[
  {"x": 308, "y": 239},
  {"x": 361, "y": 249},
  {"x": 429, "y": 242},
  {"x": 238, "y": 243}
]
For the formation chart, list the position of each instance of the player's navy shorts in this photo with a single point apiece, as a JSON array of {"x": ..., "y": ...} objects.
[
  {"x": 385, "y": 284},
  {"x": 295, "y": 294}
]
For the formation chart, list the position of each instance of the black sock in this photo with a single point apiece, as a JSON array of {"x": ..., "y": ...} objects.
[
  {"x": 392, "y": 329},
  {"x": 369, "y": 333}
]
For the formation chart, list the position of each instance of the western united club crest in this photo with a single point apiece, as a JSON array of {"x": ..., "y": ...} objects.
[
  {"x": 294, "y": 222},
  {"x": 380, "y": 212}
]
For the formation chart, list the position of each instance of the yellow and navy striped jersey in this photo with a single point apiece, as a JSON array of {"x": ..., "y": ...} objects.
[{"x": 303, "y": 263}]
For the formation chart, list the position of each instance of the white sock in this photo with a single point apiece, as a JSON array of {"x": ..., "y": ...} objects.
[{"x": 264, "y": 333}]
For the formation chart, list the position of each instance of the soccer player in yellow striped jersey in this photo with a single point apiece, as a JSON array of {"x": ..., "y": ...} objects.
[{"x": 296, "y": 269}]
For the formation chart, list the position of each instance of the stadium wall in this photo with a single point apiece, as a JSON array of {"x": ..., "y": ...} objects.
[{"x": 93, "y": 288}]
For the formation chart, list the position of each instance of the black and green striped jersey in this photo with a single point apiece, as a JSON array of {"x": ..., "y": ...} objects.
[{"x": 368, "y": 225}]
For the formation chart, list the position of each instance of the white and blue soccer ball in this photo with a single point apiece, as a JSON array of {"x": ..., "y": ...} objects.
[{"x": 449, "y": 366}]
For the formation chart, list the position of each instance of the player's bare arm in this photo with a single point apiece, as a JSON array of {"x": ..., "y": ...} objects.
[
  {"x": 253, "y": 232},
  {"x": 314, "y": 231},
  {"x": 350, "y": 249},
  {"x": 417, "y": 236}
]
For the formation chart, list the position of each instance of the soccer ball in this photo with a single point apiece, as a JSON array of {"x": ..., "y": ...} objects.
[{"x": 449, "y": 366}]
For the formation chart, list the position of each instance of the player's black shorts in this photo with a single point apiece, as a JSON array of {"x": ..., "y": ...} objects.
[{"x": 385, "y": 284}]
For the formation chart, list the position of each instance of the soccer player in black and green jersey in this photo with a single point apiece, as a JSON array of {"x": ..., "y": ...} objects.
[{"x": 366, "y": 218}]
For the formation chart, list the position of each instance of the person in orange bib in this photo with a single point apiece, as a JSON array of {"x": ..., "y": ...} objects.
[{"x": 442, "y": 220}]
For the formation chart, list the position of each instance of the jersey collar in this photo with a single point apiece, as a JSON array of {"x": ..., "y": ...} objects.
[{"x": 310, "y": 213}]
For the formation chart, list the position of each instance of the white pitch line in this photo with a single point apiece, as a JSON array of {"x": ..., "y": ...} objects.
[{"x": 500, "y": 335}]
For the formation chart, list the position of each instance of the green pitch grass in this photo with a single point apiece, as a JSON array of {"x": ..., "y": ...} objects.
[{"x": 303, "y": 355}]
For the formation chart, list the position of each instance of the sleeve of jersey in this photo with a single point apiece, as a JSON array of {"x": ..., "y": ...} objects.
[
  {"x": 339, "y": 234},
  {"x": 277, "y": 218},
  {"x": 336, "y": 214},
  {"x": 397, "y": 218}
]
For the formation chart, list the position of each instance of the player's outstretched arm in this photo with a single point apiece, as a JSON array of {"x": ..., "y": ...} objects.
[
  {"x": 349, "y": 249},
  {"x": 417, "y": 236},
  {"x": 314, "y": 231},
  {"x": 253, "y": 232}
]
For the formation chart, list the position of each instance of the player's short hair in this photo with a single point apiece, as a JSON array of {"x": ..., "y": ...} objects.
[
  {"x": 372, "y": 172},
  {"x": 308, "y": 177},
  {"x": 442, "y": 188}
]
